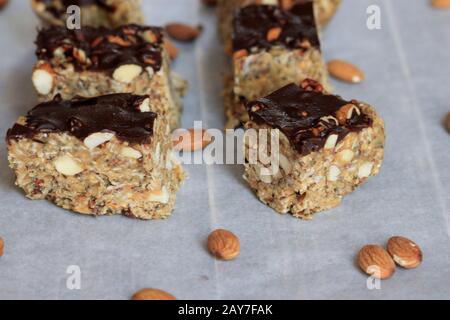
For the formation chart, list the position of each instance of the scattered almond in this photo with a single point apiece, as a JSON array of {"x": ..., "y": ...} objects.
[
  {"x": 441, "y": 4},
  {"x": 375, "y": 261},
  {"x": 152, "y": 294},
  {"x": 2, "y": 246},
  {"x": 447, "y": 122},
  {"x": 3, "y": 3},
  {"x": 223, "y": 244},
  {"x": 345, "y": 71},
  {"x": 171, "y": 49},
  {"x": 273, "y": 34},
  {"x": 405, "y": 252},
  {"x": 191, "y": 140},
  {"x": 183, "y": 32}
]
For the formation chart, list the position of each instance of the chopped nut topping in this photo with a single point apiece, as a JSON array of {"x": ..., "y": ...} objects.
[
  {"x": 273, "y": 34},
  {"x": 240, "y": 54}
]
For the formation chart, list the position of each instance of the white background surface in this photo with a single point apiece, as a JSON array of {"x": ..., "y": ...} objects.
[{"x": 407, "y": 68}]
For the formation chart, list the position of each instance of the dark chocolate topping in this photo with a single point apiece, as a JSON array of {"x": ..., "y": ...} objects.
[
  {"x": 251, "y": 25},
  {"x": 301, "y": 115},
  {"x": 60, "y": 10},
  {"x": 118, "y": 113},
  {"x": 101, "y": 3},
  {"x": 103, "y": 49}
]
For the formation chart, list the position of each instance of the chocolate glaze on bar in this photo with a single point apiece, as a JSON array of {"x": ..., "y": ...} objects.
[
  {"x": 297, "y": 113},
  {"x": 118, "y": 113},
  {"x": 58, "y": 12},
  {"x": 252, "y": 23},
  {"x": 105, "y": 48}
]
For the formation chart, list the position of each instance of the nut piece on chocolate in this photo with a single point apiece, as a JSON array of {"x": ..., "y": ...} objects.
[
  {"x": 98, "y": 61},
  {"x": 272, "y": 48},
  {"x": 327, "y": 148},
  {"x": 98, "y": 156},
  {"x": 95, "y": 13}
]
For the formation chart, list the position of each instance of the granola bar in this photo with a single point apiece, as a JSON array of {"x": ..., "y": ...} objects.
[
  {"x": 327, "y": 148},
  {"x": 97, "y": 156},
  {"x": 95, "y": 13},
  {"x": 97, "y": 61},
  {"x": 272, "y": 48},
  {"x": 324, "y": 11}
]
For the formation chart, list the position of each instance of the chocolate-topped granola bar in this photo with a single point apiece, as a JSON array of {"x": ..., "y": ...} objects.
[
  {"x": 98, "y": 156},
  {"x": 326, "y": 147},
  {"x": 95, "y": 13},
  {"x": 271, "y": 48},
  {"x": 97, "y": 61}
]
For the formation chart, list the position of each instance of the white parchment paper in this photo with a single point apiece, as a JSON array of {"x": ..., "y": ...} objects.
[{"x": 407, "y": 68}]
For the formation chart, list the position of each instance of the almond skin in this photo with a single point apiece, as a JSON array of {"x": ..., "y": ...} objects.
[
  {"x": 172, "y": 50},
  {"x": 2, "y": 246},
  {"x": 152, "y": 294},
  {"x": 183, "y": 32},
  {"x": 405, "y": 252},
  {"x": 273, "y": 34},
  {"x": 223, "y": 244},
  {"x": 345, "y": 71},
  {"x": 447, "y": 122},
  {"x": 3, "y": 3},
  {"x": 441, "y": 4},
  {"x": 191, "y": 140},
  {"x": 375, "y": 261},
  {"x": 240, "y": 54}
]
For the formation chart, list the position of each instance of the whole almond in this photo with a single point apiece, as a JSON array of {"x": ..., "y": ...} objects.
[
  {"x": 191, "y": 140},
  {"x": 152, "y": 294},
  {"x": 3, "y": 3},
  {"x": 441, "y": 4},
  {"x": 345, "y": 71},
  {"x": 183, "y": 32},
  {"x": 172, "y": 50},
  {"x": 2, "y": 246},
  {"x": 447, "y": 122},
  {"x": 223, "y": 244},
  {"x": 405, "y": 252},
  {"x": 375, "y": 261}
]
